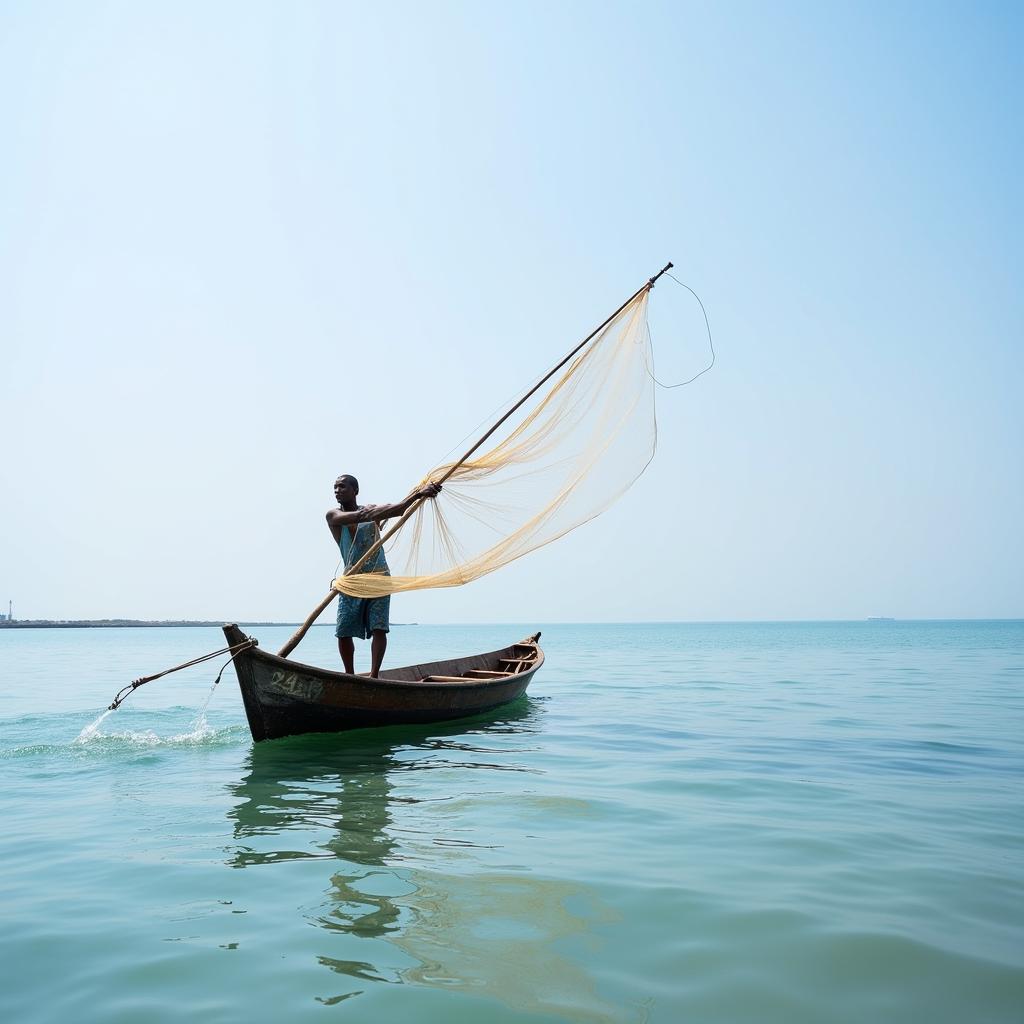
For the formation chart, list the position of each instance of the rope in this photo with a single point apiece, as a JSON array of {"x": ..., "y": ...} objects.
[
  {"x": 136, "y": 683},
  {"x": 707, "y": 324},
  {"x": 221, "y": 672}
]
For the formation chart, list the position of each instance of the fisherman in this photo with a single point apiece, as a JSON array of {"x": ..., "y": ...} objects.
[{"x": 355, "y": 530}]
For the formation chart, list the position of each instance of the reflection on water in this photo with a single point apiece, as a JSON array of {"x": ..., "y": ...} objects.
[
  {"x": 407, "y": 902},
  {"x": 313, "y": 786}
]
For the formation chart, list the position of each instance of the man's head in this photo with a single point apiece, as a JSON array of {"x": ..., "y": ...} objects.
[{"x": 346, "y": 487}]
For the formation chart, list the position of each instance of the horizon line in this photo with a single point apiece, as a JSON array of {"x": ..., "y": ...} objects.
[{"x": 217, "y": 623}]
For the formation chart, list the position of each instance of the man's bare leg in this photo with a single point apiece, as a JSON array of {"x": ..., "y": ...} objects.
[
  {"x": 378, "y": 645},
  {"x": 347, "y": 650}
]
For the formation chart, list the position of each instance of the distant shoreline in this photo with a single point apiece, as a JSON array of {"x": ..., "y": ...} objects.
[
  {"x": 121, "y": 623},
  {"x": 146, "y": 623},
  {"x": 143, "y": 623}
]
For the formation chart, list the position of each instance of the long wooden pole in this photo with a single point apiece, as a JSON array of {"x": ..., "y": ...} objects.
[{"x": 297, "y": 636}]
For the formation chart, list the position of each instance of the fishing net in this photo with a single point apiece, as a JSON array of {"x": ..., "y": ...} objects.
[{"x": 559, "y": 461}]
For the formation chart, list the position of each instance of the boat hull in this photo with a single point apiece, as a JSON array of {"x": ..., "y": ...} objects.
[{"x": 286, "y": 698}]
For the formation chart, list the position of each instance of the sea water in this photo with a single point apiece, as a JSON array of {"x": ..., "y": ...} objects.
[{"x": 790, "y": 823}]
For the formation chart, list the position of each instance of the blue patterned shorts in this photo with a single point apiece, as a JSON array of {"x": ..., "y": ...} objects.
[{"x": 360, "y": 616}]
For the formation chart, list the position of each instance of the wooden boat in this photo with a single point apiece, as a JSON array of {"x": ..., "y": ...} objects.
[{"x": 284, "y": 697}]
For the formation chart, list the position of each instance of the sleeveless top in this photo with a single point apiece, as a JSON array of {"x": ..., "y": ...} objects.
[{"x": 367, "y": 535}]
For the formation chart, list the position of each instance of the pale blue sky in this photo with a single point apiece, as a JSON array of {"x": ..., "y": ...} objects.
[{"x": 245, "y": 247}]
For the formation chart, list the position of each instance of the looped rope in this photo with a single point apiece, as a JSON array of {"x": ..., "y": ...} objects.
[
  {"x": 235, "y": 649},
  {"x": 711, "y": 344}
]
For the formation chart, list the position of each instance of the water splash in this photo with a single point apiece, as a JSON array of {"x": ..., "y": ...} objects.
[
  {"x": 199, "y": 733},
  {"x": 200, "y": 727},
  {"x": 199, "y": 730},
  {"x": 92, "y": 730}
]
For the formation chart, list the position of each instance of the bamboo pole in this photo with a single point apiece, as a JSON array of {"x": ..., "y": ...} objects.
[{"x": 297, "y": 636}]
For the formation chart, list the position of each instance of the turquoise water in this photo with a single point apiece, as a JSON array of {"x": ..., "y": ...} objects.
[{"x": 714, "y": 823}]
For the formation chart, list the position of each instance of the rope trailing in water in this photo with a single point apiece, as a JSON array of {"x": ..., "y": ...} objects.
[{"x": 136, "y": 683}]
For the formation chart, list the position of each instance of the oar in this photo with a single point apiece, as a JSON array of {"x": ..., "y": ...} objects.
[{"x": 297, "y": 636}]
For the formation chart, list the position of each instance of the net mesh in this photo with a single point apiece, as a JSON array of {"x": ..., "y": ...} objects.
[{"x": 561, "y": 460}]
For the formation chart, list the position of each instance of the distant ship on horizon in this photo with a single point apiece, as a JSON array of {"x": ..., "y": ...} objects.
[{"x": 880, "y": 618}]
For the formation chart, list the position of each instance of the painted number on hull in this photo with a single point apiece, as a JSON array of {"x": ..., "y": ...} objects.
[{"x": 296, "y": 685}]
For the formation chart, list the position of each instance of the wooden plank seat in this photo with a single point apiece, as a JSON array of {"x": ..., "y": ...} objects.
[
  {"x": 473, "y": 673},
  {"x": 524, "y": 657},
  {"x": 516, "y": 665}
]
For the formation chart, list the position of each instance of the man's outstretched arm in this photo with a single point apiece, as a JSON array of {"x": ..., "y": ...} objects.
[
  {"x": 339, "y": 517},
  {"x": 378, "y": 513}
]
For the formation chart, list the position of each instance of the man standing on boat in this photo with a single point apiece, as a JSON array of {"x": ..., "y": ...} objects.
[{"x": 355, "y": 530}]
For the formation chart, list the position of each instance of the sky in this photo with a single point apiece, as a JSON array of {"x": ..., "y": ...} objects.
[{"x": 245, "y": 247}]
